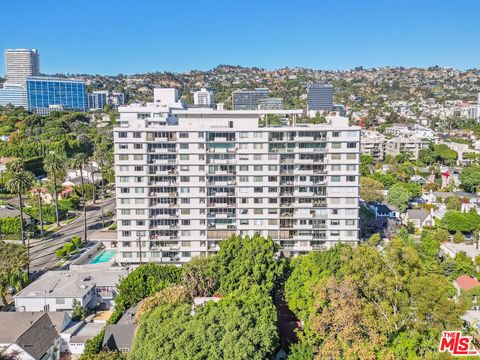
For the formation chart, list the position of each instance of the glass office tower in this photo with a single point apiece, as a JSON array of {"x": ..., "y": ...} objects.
[{"x": 47, "y": 94}]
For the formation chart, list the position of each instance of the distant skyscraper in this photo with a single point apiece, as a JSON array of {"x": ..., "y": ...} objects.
[
  {"x": 203, "y": 98},
  {"x": 45, "y": 94},
  {"x": 20, "y": 64},
  {"x": 248, "y": 99},
  {"x": 320, "y": 97}
]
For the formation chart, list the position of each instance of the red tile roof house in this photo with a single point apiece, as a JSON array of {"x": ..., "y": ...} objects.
[{"x": 465, "y": 283}]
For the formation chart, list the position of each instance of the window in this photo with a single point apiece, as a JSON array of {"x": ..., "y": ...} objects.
[
  {"x": 258, "y": 178},
  {"x": 137, "y": 146},
  {"x": 126, "y": 222},
  {"x": 137, "y": 135},
  {"x": 184, "y": 146},
  {"x": 351, "y": 145},
  {"x": 258, "y": 168},
  {"x": 257, "y": 135},
  {"x": 138, "y": 168},
  {"x": 139, "y": 190},
  {"x": 351, "y": 167},
  {"x": 184, "y": 157},
  {"x": 335, "y": 222},
  {"x": 272, "y": 167},
  {"x": 123, "y": 146},
  {"x": 243, "y": 135},
  {"x": 186, "y": 254},
  {"x": 258, "y": 146},
  {"x": 124, "y": 190},
  {"x": 258, "y": 211},
  {"x": 122, "y": 134},
  {"x": 137, "y": 157},
  {"x": 336, "y": 145},
  {"x": 350, "y": 178},
  {"x": 243, "y": 146},
  {"x": 138, "y": 179},
  {"x": 184, "y": 190},
  {"x": 243, "y": 168},
  {"x": 335, "y": 133},
  {"x": 349, "y": 222},
  {"x": 243, "y": 178},
  {"x": 122, "y": 157},
  {"x": 351, "y": 156},
  {"x": 139, "y": 201},
  {"x": 350, "y": 201},
  {"x": 185, "y": 211},
  {"x": 336, "y": 156},
  {"x": 258, "y": 189},
  {"x": 123, "y": 168},
  {"x": 126, "y": 233},
  {"x": 185, "y": 201},
  {"x": 123, "y": 179},
  {"x": 335, "y": 167},
  {"x": 183, "y": 135},
  {"x": 140, "y": 212},
  {"x": 257, "y": 157},
  {"x": 124, "y": 201},
  {"x": 335, "y": 178}
]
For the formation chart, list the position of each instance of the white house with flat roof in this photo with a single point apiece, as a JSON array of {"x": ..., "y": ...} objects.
[{"x": 57, "y": 290}]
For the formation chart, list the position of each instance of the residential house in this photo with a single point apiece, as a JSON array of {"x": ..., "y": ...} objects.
[
  {"x": 452, "y": 249},
  {"x": 57, "y": 290},
  {"x": 465, "y": 283},
  {"x": 385, "y": 212},
  {"x": 419, "y": 218},
  {"x": 32, "y": 336},
  {"x": 119, "y": 336}
]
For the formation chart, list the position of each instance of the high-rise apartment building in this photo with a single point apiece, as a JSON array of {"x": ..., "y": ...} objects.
[
  {"x": 320, "y": 97},
  {"x": 45, "y": 94},
  {"x": 188, "y": 178},
  {"x": 248, "y": 99},
  {"x": 270, "y": 103},
  {"x": 20, "y": 64},
  {"x": 203, "y": 98}
]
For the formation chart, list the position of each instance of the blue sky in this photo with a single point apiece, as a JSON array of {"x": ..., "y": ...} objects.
[{"x": 136, "y": 36}]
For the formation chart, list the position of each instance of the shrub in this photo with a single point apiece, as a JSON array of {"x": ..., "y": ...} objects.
[
  {"x": 69, "y": 247},
  {"x": 76, "y": 240},
  {"x": 60, "y": 253}
]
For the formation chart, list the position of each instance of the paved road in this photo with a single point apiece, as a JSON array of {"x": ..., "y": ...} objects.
[{"x": 42, "y": 255}]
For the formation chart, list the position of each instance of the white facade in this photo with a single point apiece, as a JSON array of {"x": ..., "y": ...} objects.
[
  {"x": 20, "y": 64},
  {"x": 203, "y": 98},
  {"x": 187, "y": 179}
]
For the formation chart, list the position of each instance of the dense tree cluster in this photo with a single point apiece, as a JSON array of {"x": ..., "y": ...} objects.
[
  {"x": 242, "y": 325},
  {"x": 383, "y": 301}
]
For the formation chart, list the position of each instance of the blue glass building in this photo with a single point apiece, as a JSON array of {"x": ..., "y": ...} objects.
[{"x": 46, "y": 94}]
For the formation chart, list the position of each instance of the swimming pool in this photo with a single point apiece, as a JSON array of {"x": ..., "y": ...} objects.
[{"x": 103, "y": 257}]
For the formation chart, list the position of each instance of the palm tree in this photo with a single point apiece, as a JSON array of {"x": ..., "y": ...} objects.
[
  {"x": 94, "y": 195},
  {"x": 78, "y": 162},
  {"x": 54, "y": 165},
  {"x": 18, "y": 182},
  {"x": 102, "y": 157},
  {"x": 38, "y": 190}
]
